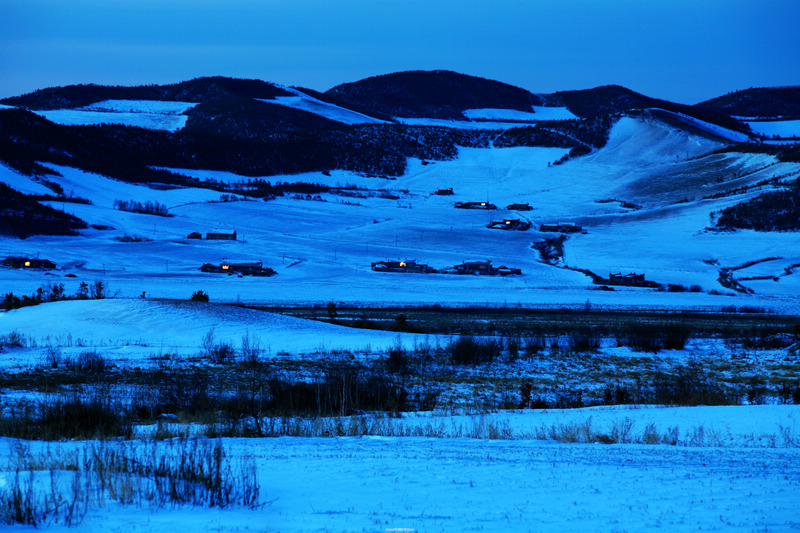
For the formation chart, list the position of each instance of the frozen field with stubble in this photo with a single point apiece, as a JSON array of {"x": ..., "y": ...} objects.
[
  {"x": 440, "y": 484},
  {"x": 460, "y": 466}
]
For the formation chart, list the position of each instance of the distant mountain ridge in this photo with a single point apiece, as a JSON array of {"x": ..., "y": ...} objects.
[
  {"x": 281, "y": 138},
  {"x": 243, "y": 126},
  {"x": 432, "y": 94},
  {"x": 197, "y": 90},
  {"x": 438, "y": 94}
]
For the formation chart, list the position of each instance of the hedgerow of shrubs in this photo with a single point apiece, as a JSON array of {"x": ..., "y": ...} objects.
[{"x": 54, "y": 292}]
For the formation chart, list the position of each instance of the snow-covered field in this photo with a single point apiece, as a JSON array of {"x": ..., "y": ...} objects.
[
  {"x": 150, "y": 114},
  {"x": 429, "y": 484},
  {"x": 134, "y": 328},
  {"x": 780, "y": 129},
  {"x": 537, "y": 113}
]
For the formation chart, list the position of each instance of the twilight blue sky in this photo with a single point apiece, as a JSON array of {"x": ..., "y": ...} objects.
[{"x": 681, "y": 50}]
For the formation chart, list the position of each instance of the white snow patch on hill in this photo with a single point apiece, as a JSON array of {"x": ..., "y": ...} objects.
[
  {"x": 104, "y": 191},
  {"x": 539, "y": 113},
  {"x": 22, "y": 183},
  {"x": 714, "y": 129},
  {"x": 330, "y": 111},
  {"x": 459, "y": 124},
  {"x": 158, "y": 107},
  {"x": 781, "y": 129},
  {"x": 149, "y": 114}
]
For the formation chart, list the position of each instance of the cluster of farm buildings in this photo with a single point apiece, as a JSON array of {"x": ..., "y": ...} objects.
[{"x": 478, "y": 268}]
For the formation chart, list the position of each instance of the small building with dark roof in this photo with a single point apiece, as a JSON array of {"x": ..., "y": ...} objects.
[{"x": 26, "y": 262}]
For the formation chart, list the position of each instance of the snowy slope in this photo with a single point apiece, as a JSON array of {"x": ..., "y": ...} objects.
[
  {"x": 714, "y": 129},
  {"x": 308, "y": 103},
  {"x": 538, "y": 113},
  {"x": 460, "y": 124},
  {"x": 22, "y": 183},
  {"x": 148, "y": 114},
  {"x": 644, "y": 202},
  {"x": 781, "y": 129},
  {"x": 181, "y": 326},
  {"x": 157, "y": 107}
]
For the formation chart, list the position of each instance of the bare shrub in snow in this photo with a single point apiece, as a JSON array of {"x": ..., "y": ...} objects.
[
  {"x": 176, "y": 472},
  {"x": 398, "y": 361},
  {"x": 467, "y": 350},
  {"x": 534, "y": 344},
  {"x": 14, "y": 340},
  {"x": 67, "y": 417},
  {"x": 53, "y": 357},
  {"x": 89, "y": 361},
  {"x": 220, "y": 353},
  {"x": 199, "y": 296},
  {"x": 583, "y": 340}
]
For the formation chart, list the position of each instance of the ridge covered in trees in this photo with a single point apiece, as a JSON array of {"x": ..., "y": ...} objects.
[
  {"x": 21, "y": 216},
  {"x": 256, "y": 138},
  {"x": 774, "y": 211},
  {"x": 197, "y": 90},
  {"x": 432, "y": 94},
  {"x": 761, "y": 102}
]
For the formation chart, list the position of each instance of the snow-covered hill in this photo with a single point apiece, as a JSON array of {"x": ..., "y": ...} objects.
[{"x": 130, "y": 329}]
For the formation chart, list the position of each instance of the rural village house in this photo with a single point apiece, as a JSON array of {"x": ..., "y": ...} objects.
[{"x": 25, "y": 262}]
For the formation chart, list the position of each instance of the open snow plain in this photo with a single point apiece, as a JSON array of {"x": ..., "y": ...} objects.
[{"x": 645, "y": 201}]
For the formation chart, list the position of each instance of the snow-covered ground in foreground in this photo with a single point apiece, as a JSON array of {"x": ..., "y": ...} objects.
[
  {"x": 642, "y": 201},
  {"x": 538, "y": 113},
  {"x": 431, "y": 484},
  {"x": 308, "y": 103},
  {"x": 150, "y": 114},
  {"x": 782, "y": 129}
]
